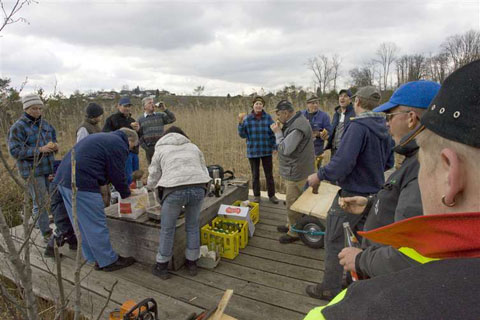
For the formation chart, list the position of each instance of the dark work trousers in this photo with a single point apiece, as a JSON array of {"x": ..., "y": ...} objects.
[
  {"x": 64, "y": 230},
  {"x": 149, "y": 151},
  {"x": 267, "y": 169},
  {"x": 335, "y": 241}
]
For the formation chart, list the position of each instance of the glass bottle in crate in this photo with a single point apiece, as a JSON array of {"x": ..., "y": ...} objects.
[{"x": 350, "y": 241}]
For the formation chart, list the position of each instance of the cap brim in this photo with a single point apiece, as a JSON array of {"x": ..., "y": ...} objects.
[{"x": 385, "y": 107}]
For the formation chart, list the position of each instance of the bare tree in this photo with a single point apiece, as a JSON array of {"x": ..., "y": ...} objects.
[
  {"x": 198, "y": 91},
  {"x": 336, "y": 62},
  {"x": 386, "y": 55},
  {"x": 361, "y": 77},
  {"x": 437, "y": 67},
  {"x": 411, "y": 68},
  {"x": 463, "y": 48},
  {"x": 325, "y": 70},
  {"x": 10, "y": 13}
]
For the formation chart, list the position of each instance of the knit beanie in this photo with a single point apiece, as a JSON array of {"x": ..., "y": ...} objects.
[
  {"x": 93, "y": 110},
  {"x": 31, "y": 100},
  {"x": 258, "y": 98}
]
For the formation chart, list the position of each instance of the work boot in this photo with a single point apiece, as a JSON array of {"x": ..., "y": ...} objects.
[
  {"x": 122, "y": 262},
  {"x": 256, "y": 199},
  {"x": 286, "y": 238},
  {"x": 161, "y": 270},
  {"x": 316, "y": 291},
  {"x": 192, "y": 267},
  {"x": 273, "y": 200},
  {"x": 282, "y": 229}
]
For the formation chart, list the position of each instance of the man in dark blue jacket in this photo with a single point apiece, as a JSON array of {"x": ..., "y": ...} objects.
[
  {"x": 100, "y": 159},
  {"x": 321, "y": 128},
  {"x": 358, "y": 168},
  {"x": 341, "y": 118}
]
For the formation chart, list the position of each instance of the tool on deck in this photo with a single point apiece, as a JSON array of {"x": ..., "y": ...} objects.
[
  {"x": 144, "y": 310},
  {"x": 216, "y": 312}
]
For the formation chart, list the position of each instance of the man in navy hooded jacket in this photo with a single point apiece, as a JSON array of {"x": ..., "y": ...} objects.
[
  {"x": 358, "y": 166},
  {"x": 100, "y": 159}
]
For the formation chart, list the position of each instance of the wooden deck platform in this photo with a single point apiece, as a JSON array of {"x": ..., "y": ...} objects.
[{"x": 268, "y": 278}]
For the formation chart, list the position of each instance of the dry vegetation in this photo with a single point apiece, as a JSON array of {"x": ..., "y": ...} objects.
[{"x": 211, "y": 123}]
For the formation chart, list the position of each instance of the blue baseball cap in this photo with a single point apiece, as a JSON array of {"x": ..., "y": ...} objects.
[
  {"x": 125, "y": 101},
  {"x": 416, "y": 94}
]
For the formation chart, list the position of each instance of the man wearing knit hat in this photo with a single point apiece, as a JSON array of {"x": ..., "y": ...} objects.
[
  {"x": 320, "y": 123},
  {"x": 91, "y": 123},
  {"x": 32, "y": 141},
  {"x": 152, "y": 124}
]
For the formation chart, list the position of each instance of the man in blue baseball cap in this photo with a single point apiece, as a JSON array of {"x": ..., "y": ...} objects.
[{"x": 399, "y": 199}]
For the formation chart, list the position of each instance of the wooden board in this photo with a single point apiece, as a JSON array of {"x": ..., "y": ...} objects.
[
  {"x": 140, "y": 238},
  {"x": 316, "y": 204}
]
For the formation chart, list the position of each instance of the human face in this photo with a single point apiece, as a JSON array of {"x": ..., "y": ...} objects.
[
  {"x": 125, "y": 109},
  {"x": 258, "y": 106},
  {"x": 344, "y": 100},
  {"x": 282, "y": 116},
  {"x": 35, "y": 111},
  {"x": 398, "y": 119},
  {"x": 312, "y": 106},
  {"x": 131, "y": 144},
  {"x": 149, "y": 107},
  {"x": 98, "y": 119}
]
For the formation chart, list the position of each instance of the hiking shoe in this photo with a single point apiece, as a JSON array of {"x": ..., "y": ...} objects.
[
  {"x": 273, "y": 200},
  {"x": 122, "y": 262},
  {"x": 286, "y": 238},
  {"x": 256, "y": 199},
  {"x": 315, "y": 291},
  {"x": 191, "y": 267},
  {"x": 47, "y": 236},
  {"x": 161, "y": 270},
  {"x": 282, "y": 229}
]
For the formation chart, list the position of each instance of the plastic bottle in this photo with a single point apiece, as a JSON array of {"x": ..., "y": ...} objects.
[{"x": 350, "y": 241}]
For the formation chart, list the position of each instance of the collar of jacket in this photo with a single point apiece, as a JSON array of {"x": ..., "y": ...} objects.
[
  {"x": 30, "y": 119},
  {"x": 407, "y": 146},
  {"x": 450, "y": 235},
  {"x": 349, "y": 108},
  {"x": 290, "y": 121}
]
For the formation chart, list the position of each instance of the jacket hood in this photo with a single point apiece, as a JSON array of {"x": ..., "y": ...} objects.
[
  {"x": 408, "y": 146},
  {"x": 376, "y": 125},
  {"x": 173, "y": 139}
]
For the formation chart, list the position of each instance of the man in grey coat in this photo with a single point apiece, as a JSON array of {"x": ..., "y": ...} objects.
[{"x": 296, "y": 157}]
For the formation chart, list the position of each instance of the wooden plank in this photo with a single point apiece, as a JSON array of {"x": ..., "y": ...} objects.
[
  {"x": 279, "y": 268},
  {"x": 223, "y": 304},
  {"x": 95, "y": 281},
  {"x": 274, "y": 256},
  {"x": 290, "y": 248},
  {"x": 286, "y": 302},
  {"x": 316, "y": 204}
]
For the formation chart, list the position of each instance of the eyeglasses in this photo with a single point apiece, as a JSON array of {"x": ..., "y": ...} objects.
[{"x": 389, "y": 116}]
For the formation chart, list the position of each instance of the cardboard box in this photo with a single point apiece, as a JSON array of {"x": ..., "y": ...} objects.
[{"x": 237, "y": 213}]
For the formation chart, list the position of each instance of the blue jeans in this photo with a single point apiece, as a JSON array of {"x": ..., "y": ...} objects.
[
  {"x": 92, "y": 223},
  {"x": 192, "y": 199},
  {"x": 38, "y": 189}
]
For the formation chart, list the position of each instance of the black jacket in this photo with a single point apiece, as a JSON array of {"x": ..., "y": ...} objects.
[
  {"x": 349, "y": 113},
  {"x": 399, "y": 199},
  {"x": 117, "y": 121}
]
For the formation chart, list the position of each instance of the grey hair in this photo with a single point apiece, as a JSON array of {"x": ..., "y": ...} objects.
[
  {"x": 146, "y": 99},
  {"x": 131, "y": 134}
]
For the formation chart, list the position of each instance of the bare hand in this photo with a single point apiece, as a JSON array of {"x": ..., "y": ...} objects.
[
  {"x": 162, "y": 107},
  {"x": 347, "y": 256},
  {"x": 241, "y": 117},
  {"x": 49, "y": 147},
  {"x": 313, "y": 181},
  {"x": 355, "y": 205},
  {"x": 275, "y": 127},
  {"x": 324, "y": 134},
  {"x": 135, "y": 126}
]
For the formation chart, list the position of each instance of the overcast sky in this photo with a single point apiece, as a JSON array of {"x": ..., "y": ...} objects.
[{"x": 227, "y": 46}]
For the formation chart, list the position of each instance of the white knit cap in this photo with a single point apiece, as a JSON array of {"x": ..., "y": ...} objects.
[{"x": 31, "y": 100}]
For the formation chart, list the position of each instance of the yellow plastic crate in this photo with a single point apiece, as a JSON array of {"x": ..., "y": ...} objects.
[
  {"x": 254, "y": 210},
  {"x": 227, "y": 244}
]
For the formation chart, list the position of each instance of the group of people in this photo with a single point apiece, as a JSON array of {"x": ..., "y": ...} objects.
[
  {"x": 104, "y": 157},
  {"x": 407, "y": 240},
  {"x": 418, "y": 230}
]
